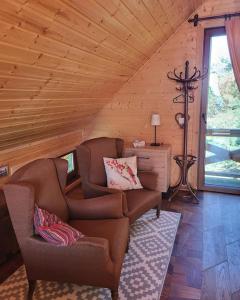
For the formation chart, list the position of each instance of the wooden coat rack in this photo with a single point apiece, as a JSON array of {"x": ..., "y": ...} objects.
[{"x": 185, "y": 161}]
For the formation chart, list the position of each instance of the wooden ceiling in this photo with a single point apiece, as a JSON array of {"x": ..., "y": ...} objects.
[{"x": 62, "y": 60}]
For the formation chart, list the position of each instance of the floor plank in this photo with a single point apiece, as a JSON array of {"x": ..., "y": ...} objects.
[
  {"x": 233, "y": 252},
  {"x": 214, "y": 247},
  {"x": 216, "y": 284}
]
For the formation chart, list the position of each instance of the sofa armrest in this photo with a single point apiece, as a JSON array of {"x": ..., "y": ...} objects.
[
  {"x": 104, "y": 207},
  {"x": 148, "y": 179},
  {"x": 98, "y": 190}
]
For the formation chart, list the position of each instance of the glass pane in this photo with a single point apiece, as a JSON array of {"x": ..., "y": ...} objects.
[
  {"x": 70, "y": 159},
  {"x": 222, "y": 161},
  {"x": 223, "y": 94}
]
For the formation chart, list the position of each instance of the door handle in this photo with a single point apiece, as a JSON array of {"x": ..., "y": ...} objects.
[{"x": 204, "y": 118}]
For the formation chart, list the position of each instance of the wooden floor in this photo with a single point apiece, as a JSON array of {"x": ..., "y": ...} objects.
[{"x": 206, "y": 258}]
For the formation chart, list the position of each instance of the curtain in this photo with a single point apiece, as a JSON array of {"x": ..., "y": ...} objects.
[{"x": 233, "y": 37}]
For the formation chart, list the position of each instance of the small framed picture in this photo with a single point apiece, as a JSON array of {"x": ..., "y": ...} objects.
[{"x": 3, "y": 171}]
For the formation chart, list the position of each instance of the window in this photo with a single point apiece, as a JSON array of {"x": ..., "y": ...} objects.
[
  {"x": 71, "y": 158},
  {"x": 219, "y": 167}
]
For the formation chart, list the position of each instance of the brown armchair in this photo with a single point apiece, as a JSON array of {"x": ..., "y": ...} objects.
[
  {"x": 95, "y": 259},
  {"x": 94, "y": 181}
]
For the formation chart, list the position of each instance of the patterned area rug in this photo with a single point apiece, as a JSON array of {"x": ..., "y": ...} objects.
[{"x": 143, "y": 273}]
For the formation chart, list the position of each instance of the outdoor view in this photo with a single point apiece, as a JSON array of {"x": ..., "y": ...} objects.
[
  {"x": 222, "y": 161},
  {"x": 70, "y": 159}
]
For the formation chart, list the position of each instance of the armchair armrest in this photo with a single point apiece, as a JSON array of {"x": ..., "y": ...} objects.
[
  {"x": 90, "y": 255},
  {"x": 148, "y": 179},
  {"x": 104, "y": 207},
  {"x": 94, "y": 190}
]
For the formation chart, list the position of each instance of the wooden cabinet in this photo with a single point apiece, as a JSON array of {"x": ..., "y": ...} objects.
[{"x": 156, "y": 159}]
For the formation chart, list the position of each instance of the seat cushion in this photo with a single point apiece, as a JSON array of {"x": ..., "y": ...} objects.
[
  {"x": 114, "y": 230},
  {"x": 140, "y": 201}
]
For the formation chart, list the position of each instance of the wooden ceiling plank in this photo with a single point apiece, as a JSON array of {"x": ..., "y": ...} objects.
[
  {"x": 53, "y": 73},
  {"x": 28, "y": 130},
  {"x": 28, "y": 72},
  {"x": 23, "y": 112},
  {"x": 41, "y": 114},
  {"x": 35, "y": 136},
  {"x": 125, "y": 17},
  {"x": 49, "y": 85},
  {"x": 99, "y": 16},
  {"x": 10, "y": 52},
  {"x": 140, "y": 11},
  {"x": 53, "y": 61},
  {"x": 53, "y": 95},
  {"x": 76, "y": 50},
  {"x": 45, "y": 9},
  {"x": 83, "y": 80},
  {"x": 7, "y": 126}
]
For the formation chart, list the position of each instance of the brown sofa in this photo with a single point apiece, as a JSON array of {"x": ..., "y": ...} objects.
[
  {"x": 94, "y": 260},
  {"x": 94, "y": 182}
]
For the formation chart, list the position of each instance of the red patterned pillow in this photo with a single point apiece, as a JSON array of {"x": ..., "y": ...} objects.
[{"x": 53, "y": 230}]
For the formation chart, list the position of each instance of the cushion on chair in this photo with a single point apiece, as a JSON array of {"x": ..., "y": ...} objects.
[
  {"x": 114, "y": 230},
  {"x": 53, "y": 230},
  {"x": 140, "y": 201},
  {"x": 122, "y": 173}
]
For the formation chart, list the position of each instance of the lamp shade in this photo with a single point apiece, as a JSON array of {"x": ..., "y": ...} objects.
[{"x": 155, "y": 121}]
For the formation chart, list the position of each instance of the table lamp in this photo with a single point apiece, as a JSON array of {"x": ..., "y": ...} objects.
[{"x": 155, "y": 121}]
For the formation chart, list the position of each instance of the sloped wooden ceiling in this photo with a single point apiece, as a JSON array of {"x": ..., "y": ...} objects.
[{"x": 62, "y": 60}]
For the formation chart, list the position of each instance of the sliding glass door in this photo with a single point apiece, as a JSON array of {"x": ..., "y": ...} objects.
[{"x": 219, "y": 162}]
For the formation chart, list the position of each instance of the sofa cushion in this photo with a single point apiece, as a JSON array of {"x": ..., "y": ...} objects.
[
  {"x": 140, "y": 201},
  {"x": 122, "y": 173},
  {"x": 53, "y": 230}
]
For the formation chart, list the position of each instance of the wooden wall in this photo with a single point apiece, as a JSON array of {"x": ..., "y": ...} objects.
[
  {"x": 49, "y": 147},
  {"x": 62, "y": 60},
  {"x": 128, "y": 114}
]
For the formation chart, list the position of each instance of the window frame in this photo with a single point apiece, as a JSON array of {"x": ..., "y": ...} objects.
[{"x": 208, "y": 34}]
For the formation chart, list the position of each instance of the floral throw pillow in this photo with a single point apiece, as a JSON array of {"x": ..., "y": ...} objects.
[{"x": 122, "y": 173}]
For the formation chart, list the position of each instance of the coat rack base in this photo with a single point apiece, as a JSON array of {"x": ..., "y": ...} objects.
[{"x": 183, "y": 183}]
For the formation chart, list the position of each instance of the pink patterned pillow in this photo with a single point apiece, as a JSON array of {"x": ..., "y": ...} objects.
[
  {"x": 122, "y": 173},
  {"x": 53, "y": 230}
]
